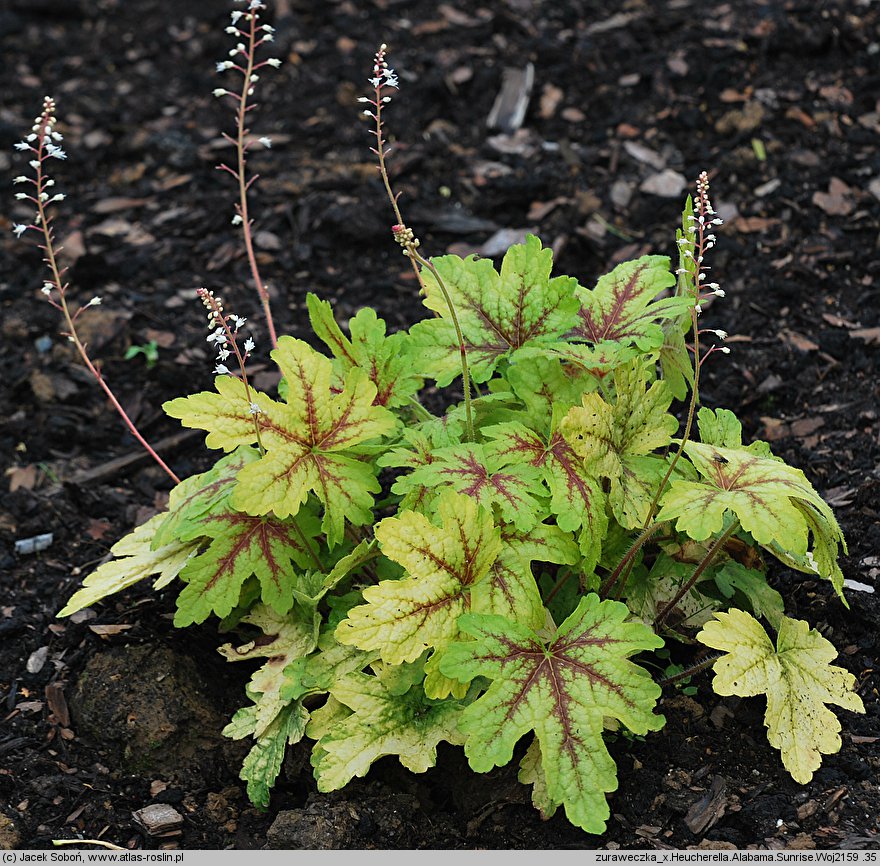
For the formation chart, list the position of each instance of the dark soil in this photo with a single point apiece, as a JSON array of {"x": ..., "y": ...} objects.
[{"x": 776, "y": 98}]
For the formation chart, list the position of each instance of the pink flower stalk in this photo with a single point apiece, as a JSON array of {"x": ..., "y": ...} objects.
[
  {"x": 43, "y": 142},
  {"x": 250, "y": 35}
]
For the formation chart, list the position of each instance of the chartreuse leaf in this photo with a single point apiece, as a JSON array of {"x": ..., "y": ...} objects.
[
  {"x": 499, "y": 313},
  {"x": 763, "y": 599},
  {"x": 511, "y": 589},
  {"x": 614, "y": 441},
  {"x": 722, "y": 428},
  {"x": 409, "y": 725},
  {"x": 795, "y": 676},
  {"x": 387, "y": 360},
  {"x": 196, "y": 495},
  {"x": 623, "y": 307},
  {"x": 774, "y": 503},
  {"x": 135, "y": 561},
  {"x": 309, "y": 444},
  {"x": 284, "y": 639},
  {"x": 227, "y": 415},
  {"x": 243, "y": 546},
  {"x": 319, "y": 671},
  {"x": 561, "y": 689},
  {"x": 476, "y": 471},
  {"x": 543, "y": 382},
  {"x": 577, "y": 500},
  {"x": 263, "y": 763},
  {"x": 443, "y": 562}
]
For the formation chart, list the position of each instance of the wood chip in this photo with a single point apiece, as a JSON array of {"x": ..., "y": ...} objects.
[
  {"x": 158, "y": 818},
  {"x": 709, "y": 808},
  {"x": 870, "y": 335},
  {"x": 58, "y": 704},
  {"x": 509, "y": 109},
  {"x": 104, "y": 630}
]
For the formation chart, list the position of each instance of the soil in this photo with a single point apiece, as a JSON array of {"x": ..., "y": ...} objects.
[{"x": 112, "y": 711}]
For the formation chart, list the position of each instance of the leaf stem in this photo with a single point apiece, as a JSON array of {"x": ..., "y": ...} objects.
[
  {"x": 644, "y": 536},
  {"x": 706, "y": 561}
]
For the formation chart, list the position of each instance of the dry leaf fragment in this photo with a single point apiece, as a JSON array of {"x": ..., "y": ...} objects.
[{"x": 838, "y": 201}]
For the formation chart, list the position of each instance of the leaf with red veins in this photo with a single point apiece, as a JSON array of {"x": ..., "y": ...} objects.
[
  {"x": 511, "y": 589},
  {"x": 198, "y": 494},
  {"x": 444, "y": 561},
  {"x": 561, "y": 689},
  {"x": 226, "y": 414},
  {"x": 476, "y": 471},
  {"x": 243, "y": 546},
  {"x": 499, "y": 313},
  {"x": 311, "y": 444},
  {"x": 624, "y": 307},
  {"x": 576, "y": 499},
  {"x": 387, "y": 360}
]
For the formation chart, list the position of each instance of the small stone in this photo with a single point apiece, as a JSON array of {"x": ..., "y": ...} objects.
[
  {"x": 158, "y": 818},
  {"x": 665, "y": 184}
]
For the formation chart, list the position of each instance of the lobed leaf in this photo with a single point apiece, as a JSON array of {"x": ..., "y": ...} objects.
[
  {"x": 774, "y": 503},
  {"x": 403, "y": 618},
  {"x": 386, "y": 360},
  {"x": 499, "y": 313},
  {"x": 561, "y": 689},
  {"x": 408, "y": 725},
  {"x": 614, "y": 441},
  {"x": 243, "y": 546},
  {"x": 310, "y": 442},
  {"x": 136, "y": 560},
  {"x": 624, "y": 307},
  {"x": 795, "y": 676}
]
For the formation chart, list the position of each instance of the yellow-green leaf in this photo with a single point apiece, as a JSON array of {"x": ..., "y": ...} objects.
[
  {"x": 796, "y": 677},
  {"x": 311, "y": 444},
  {"x": 403, "y": 618},
  {"x": 135, "y": 560}
]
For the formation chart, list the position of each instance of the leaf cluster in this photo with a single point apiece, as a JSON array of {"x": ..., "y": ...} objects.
[{"x": 400, "y": 583}]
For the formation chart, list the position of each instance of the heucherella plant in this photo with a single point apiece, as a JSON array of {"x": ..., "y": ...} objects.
[{"x": 480, "y": 530}]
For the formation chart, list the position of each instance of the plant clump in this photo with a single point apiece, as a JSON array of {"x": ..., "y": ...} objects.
[{"x": 498, "y": 572}]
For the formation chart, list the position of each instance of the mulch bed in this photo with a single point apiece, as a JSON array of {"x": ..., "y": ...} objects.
[{"x": 776, "y": 98}]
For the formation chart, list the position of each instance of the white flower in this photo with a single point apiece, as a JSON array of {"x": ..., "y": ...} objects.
[
  {"x": 46, "y": 290},
  {"x": 232, "y": 31},
  {"x": 218, "y": 337},
  {"x": 223, "y": 65},
  {"x": 219, "y": 91},
  {"x": 94, "y": 302},
  {"x": 254, "y": 409},
  {"x": 19, "y": 229},
  {"x": 236, "y": 15},
  {"x": 725, "y": 349},
  {"x": 249, "y": 344},
  {"x": 57, "y": 136},
  {"x": 221, "y": 370},
  {"x": 237, "y": 220},
  {"x": 60, "y": 196},
  {"x": 268, "y": 38},
  {"x": 34, "y": 163},
  {"x": 21, "y": 195},
  {"x": 254, "y": 79},
  {"x": 376, "y": 82},
  {"x": 265, "y": 141},
  {"x": 719, "y": 293},
  {"x": 57, "y": 152},
  {"x": 223, "y": 353},
  {"x": 20, "y": 179},
  {"x": 22, "y": 145},
  {"x": 722, "y": 335},
  {"x": 267, "y": 28},
  {"x": 273, "y": 62}
]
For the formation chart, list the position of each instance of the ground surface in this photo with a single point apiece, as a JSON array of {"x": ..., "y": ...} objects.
[{"x": 103, "y": 716}]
